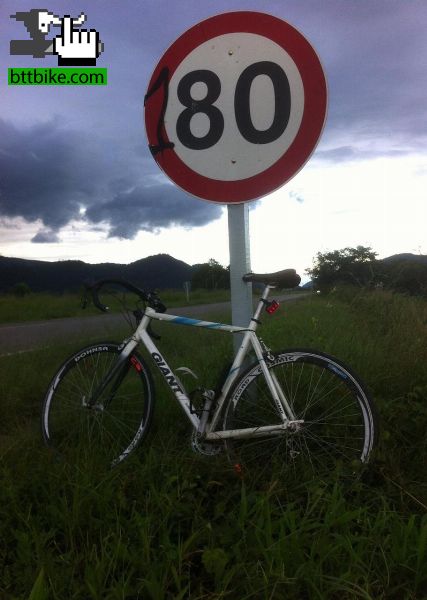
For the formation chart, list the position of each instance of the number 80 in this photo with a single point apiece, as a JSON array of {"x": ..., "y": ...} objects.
[{"x": 282, "y": 106}]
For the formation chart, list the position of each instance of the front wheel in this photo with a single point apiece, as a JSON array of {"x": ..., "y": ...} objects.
[
  {"x": 88, "y": 412},
  {"x": 338, "y": 425}
]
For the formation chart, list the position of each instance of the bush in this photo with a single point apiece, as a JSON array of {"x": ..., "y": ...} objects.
[
  {"x": 21, "y": 289},
  {"x": 348, "y": 266},
  {"x": 211, "y": 276}
]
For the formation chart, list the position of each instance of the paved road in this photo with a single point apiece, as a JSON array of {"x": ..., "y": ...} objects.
[{"x": 23, "y": 337}]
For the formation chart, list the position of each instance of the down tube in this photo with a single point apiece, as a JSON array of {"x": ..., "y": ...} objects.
[{"x": 169, "y": 377}]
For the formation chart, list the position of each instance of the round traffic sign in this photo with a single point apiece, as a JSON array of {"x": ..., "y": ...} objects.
[{"x": 235, "y": 107}]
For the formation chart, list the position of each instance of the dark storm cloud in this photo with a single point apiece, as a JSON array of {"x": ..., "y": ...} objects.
[
  {"x": 45, "y": 236},
  {"x": 52, "y": 174},
  {"x": 46, "y": 173},
  {"x": 150, "y": 209}
]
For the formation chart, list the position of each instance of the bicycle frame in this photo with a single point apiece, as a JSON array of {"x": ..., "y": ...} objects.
[{"x": 202, "y": 425}]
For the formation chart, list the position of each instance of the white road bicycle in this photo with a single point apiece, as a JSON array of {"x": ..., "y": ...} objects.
[{"x": 296, "y": 408}]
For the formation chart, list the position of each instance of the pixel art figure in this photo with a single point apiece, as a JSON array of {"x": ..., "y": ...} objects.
[{"x": 74, "y": 47}]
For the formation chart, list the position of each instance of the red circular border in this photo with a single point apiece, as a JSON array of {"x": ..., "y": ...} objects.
[{"x": 313, "y": 119}]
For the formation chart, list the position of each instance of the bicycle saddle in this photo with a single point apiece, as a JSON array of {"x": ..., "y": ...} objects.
[{"x": 288, "y": 278}]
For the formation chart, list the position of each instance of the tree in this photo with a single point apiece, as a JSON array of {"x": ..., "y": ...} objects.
[
  {"x": 405, "y": 276},
  {"x": 211, "y": 276},
  {"x": 351, "y": 266}
]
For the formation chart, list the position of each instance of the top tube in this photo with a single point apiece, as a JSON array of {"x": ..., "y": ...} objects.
[
  {"x": 181, "y": 320},
  {"x": 178, "y": 320}
]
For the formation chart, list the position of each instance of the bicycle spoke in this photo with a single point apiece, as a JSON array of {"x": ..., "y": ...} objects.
[
  {"x": 330, "y": 404},
  {"x": 104, "y": 427}
]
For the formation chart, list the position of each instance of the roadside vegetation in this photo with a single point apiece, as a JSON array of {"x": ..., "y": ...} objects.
[
  {"x": 38, "y": 306},
  {"x": 403, "y": 273},
  {"x": 170, "y": 524},
  {"x": 210, "y": 283}
]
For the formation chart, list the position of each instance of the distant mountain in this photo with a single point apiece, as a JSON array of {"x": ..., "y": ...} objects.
[
  {"x": 161, "y": 271},
  {"x": 406, "y": 257}
]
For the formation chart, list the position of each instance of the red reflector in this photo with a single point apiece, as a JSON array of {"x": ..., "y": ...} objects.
[
  {"x": 272, "y": 307},
  {"x": 135, "y": 362}
]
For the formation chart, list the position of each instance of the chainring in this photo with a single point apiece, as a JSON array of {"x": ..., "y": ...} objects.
[{"x": 205, "y": 448}]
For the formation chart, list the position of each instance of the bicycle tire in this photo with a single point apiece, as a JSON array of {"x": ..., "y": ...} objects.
[
  {"x": 340, "y": 425},
  {"x": 111, "y": 429}
]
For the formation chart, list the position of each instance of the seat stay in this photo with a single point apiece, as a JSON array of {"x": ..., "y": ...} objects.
[
  {"x": 283, "y": 400},
  {"x": 277, "y": 396}
]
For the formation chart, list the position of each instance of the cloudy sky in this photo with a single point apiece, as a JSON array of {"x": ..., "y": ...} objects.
[{"x": 77, "y": 180}]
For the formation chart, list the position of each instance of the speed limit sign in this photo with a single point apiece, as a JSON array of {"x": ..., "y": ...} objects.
[{"x": 235, "y": 107}]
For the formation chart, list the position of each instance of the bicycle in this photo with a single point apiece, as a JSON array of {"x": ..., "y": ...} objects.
[{"x": 297, "y": 408}]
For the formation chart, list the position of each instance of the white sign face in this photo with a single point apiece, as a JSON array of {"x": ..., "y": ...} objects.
[
  {"x": 235, "y": 107},
  {"x": 249, "y": 90}
]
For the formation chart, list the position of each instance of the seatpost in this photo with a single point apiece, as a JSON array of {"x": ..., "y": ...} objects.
[
  {"x": 261, "y": 304},
  {"x": 245, "y": 341}
]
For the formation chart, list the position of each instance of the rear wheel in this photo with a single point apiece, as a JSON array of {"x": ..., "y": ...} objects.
[
  {"x": 338, "y": 429},
  {"x": 81, "y": 416}
]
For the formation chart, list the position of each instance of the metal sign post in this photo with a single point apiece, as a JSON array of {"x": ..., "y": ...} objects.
[{"x": 240, "y": 264}]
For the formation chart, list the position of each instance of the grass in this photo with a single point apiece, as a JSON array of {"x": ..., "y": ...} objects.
[
  {"x": 169, "y": 524},
  {"x": 43, "y": 306}
]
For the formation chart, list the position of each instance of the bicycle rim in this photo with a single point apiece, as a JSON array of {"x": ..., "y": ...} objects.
[
  {"x": 338, "y": 428},
  {"x": 105, "y": 431}
]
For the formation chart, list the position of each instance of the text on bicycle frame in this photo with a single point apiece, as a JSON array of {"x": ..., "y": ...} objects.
[{"x": 166, "y": 372}]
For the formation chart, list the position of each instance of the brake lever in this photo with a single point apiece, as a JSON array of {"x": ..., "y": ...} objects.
[
  {"x": 154, "y": 303},
  {"x": 160, "y": 307}
]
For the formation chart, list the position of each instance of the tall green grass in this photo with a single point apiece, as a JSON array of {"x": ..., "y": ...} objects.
[
  {"x": 42, "y": 306},
  {"x": 172, "y": 524}
]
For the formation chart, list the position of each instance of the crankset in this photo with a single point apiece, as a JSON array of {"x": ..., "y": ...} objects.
[{"x": 205, "y": 448}]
